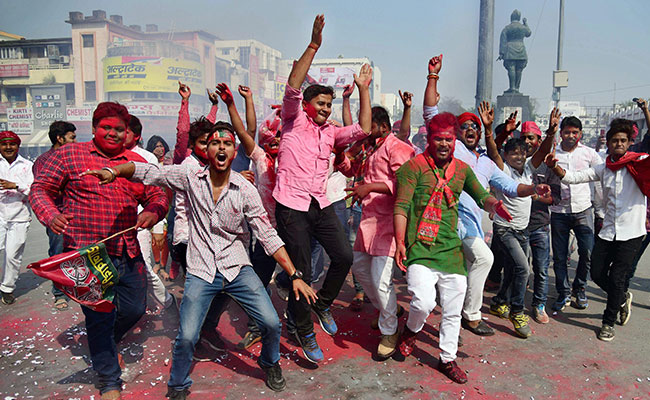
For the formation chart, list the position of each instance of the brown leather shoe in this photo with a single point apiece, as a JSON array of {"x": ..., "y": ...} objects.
[
  {"x": 388, "y": 345},
  {"x": 112, "y": 395}
]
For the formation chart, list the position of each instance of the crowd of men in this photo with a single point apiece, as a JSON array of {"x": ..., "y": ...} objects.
[{"x": 421, "y": 204}]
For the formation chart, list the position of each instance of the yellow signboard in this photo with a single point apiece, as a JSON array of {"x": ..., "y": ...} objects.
[{"x": 150, "y": 74}]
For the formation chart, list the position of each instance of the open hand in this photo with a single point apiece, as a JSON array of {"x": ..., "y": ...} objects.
[
  {"x": 347, "y": 91},
  {"x": 512, "y": 123},
  {"x": 60, "y": 223},
  {"x": 213, "y": 97},
  {"x": 553, "y": 121},
  {"x": 400, "y": 255},
  {"x": 317, "y": 30},
  {"x": 407, "y": 98},
  {"x": 225, "y": 94},
  {"x": 550, "y": 160},
  {"x": 365, "y": 76},
  {"x": 486, "y": 112},
  {"x": 184, "y": 90},
  {"x": 435, "y": 64},
  {"x": 300, "y": 287}
]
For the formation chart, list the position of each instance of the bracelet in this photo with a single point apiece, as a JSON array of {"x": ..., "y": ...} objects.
[
  {"x": 313, "y": 46},
  {"x": 433, "y": 75},
  {"x": 112, "y": 171}
]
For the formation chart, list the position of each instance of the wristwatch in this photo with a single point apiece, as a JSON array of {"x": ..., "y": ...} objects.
[{"x": 296, "y": 275}]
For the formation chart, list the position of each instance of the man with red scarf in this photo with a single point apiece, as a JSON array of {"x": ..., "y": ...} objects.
[
  {"x": 625, "y": 179},
  {"x": 428, "y": 247}
]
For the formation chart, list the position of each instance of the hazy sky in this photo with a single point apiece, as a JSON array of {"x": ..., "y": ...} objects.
[{"x": 605, "y": 43}]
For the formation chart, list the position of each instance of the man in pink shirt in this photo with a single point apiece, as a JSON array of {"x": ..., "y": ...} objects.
[
  {"x": 375, "y": 244},
  {"x": 302, "y": 209}
]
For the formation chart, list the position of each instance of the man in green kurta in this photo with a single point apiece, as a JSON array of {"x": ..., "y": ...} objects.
[{"x": 428, "y": 247}]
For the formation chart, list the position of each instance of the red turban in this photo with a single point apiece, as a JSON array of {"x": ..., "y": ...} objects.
[
  {"x": 531, "y": 126},
  {"x": 9, "y": 136},
  {"x": 469, "y": 116}
]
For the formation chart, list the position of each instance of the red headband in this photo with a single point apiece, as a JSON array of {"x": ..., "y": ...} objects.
[{"x": 9, "y": 136}]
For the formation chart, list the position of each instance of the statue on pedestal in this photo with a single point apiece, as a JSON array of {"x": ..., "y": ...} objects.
[{"x": 512, "y": 50}]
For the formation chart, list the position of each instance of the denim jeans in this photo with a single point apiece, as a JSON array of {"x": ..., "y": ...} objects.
[
  {"x": 55, "y": 247},
  {"x": 296, "y": 228},
  {"x": 355, "y": 212},
  {"x": 514, "y": 245},
  {"x": 582, "y": 224},
  {"x": 541, "y": 249},
  {"x": 105, "y": 330},
  {"x": 611, "y": 266},
  {"x": 247, "y": 290}
]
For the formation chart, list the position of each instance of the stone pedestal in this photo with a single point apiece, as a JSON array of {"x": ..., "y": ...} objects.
[{"x": 508, "y": 103}]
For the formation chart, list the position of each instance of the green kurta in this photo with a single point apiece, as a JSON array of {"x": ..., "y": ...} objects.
[{"x": 415, "y": 183}]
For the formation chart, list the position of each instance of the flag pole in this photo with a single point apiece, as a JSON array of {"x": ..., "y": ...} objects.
[{"x": 117, "y": 234}]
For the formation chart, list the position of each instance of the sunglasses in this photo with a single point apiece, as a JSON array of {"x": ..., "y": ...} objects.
[{"x": 468, "y": 125}]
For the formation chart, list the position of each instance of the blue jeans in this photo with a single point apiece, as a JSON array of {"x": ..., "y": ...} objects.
[
  {"x": 105, "y": 330},
  {"x": 247, "y": 290},
  {"x": 582, "y": 224},
  {"x": 514, "y": 244},
  {"x": 541, "y": 248},
  {"x": 55, "y": 247}
]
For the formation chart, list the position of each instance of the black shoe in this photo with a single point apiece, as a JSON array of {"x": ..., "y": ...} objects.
[
  {"x": 203, "y": 352},
  {"x": 581, "y": 299},
  {"x": 8, "y": 298},
  {"x": 481, "y": 330},
  {"x": 212, "y": 339},
  {"x": 177, "y": 395},
  {"x": 274, "y": 379},
  {"x": 626, "y": 309},
  {"x": 249, "y": 339}
]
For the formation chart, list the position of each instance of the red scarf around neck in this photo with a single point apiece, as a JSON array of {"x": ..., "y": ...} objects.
[
  {"x": 637, "y": 167},
  {"x": 430, "y": 221}
]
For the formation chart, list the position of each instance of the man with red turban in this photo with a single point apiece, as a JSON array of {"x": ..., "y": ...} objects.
[{"x": 15, "y": 214}]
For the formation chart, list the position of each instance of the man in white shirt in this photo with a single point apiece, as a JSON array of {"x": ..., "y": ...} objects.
[
  {"x": 624, "y": 224},
  {"x": 15, "y": 213},
  {"x": 574, "y": 212}
]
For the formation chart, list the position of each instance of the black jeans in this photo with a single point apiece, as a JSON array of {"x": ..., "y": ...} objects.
[
  {"x": 296, "y": 229},
  {"x": 611, "y": 263}
]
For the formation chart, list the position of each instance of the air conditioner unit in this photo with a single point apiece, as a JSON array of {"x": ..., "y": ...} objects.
[{"x": 64, "y": 59}]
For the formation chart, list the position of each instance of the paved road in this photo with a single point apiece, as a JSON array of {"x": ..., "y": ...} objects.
[{"x": 45, "y": 354}]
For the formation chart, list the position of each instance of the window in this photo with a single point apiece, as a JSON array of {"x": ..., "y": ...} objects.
[
  {"x": 206, "y": 51},
  {"x": 88, "y": 40},
  {"x": 16, "y": 95},
  {"x": 225, "y": 52},
  {"x": 90, "y": 92}
]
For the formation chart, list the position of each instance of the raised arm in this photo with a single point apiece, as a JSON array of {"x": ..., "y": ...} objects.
[
  {"x": 226, "y": 95},
  {"x": 486, "y": 112},
  {"x": 347, "y": 113},
  {"x": 511, "y": 125},
  {"x": 251, "y": 120},
  {"x": 547, "y": 144},
  {"x": 431, "y": 95},
  {"x": 363, "y": 83},
  {"x": 405, "y": 124},
  {"x": 214, "y": 99},
  {"x": 300, "y": 69},
  {"x": 183, "y": 125}
]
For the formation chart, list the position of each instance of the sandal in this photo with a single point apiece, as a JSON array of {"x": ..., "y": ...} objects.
[
  {"x": 356, "y": 304},
  {"x": 61, "y": 304}
]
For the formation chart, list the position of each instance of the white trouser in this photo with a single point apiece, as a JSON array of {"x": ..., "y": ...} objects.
[
  {"x": 479, "y": 259},
  {"x": 157, "y": 289},
  {"x": 375, "y": 274},
  {"x": 422, "y": 282},
  {"x": 12, "y": 240}
]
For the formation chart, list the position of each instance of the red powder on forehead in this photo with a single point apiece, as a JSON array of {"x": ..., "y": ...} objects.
[{"x": 443, "y": 123}]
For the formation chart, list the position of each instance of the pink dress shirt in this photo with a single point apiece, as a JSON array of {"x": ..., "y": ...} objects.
[
  {"x": 304, "y": 154},
  {"x": 375, "y": 235}
]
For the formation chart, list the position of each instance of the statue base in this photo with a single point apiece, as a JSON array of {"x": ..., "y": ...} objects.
[{"x": 510, "y": 102}]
